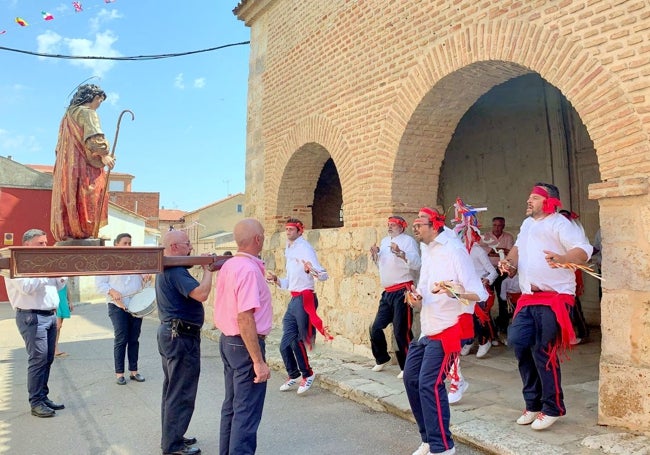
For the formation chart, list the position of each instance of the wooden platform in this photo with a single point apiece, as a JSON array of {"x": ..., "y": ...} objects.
[{"x": 54, "y": 261}]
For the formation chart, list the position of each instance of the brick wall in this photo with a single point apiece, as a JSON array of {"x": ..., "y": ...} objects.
[{"x": 381, "y": 86}]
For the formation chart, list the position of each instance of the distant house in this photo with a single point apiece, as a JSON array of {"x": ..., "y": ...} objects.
[{"x": 210, "y": 227}]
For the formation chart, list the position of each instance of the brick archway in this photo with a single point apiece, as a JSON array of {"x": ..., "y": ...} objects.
[
  {"x": 296, "y": 164},
  {"x": 452, "y": 75}
]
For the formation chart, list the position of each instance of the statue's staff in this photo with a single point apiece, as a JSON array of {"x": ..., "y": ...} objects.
[{"x": 108, "y": 174}]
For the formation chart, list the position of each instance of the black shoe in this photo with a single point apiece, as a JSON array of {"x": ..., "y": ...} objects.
[
  {"x": 42, "y": 411},
  {"x": 52, "y": 405},
  {"x": 121, "y": 380},
  {"x": 189, "y": 441},
  {"x": 137, "y": 377},
  {"x": 185, "y": 451}
]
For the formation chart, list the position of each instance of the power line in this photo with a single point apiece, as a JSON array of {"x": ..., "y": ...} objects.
[{"x": 133, "y": 58}]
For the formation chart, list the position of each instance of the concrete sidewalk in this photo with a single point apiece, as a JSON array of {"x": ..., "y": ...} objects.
[{"x": 486, "y": 415}]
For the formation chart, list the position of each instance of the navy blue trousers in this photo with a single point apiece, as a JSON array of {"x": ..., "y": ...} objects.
[
  {"x": 295, "y": 325},
  {"x": 39, "y": 334},
  {"x": 181, "y": 364},
  {"x": 243, "y": 403},
  {"x": 127, "y": 334},
  {"x": 534, "y": 329},
  {"x": 424, "y": 380},
  {"x": 392, "y": 309}
]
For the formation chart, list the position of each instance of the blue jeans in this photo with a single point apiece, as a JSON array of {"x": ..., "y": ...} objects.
[
  {"x": 127, "y": 333},
  {"x": 242, "y": 407},
  {"x": 424, "y": 380},
  {"x": 181, "y": 364},
  {"x": 534, "y": 329},
  {"x": 39, "y": 334}
]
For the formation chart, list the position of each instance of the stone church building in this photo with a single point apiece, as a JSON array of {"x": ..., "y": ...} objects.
[{"x": 359, "y": 109}]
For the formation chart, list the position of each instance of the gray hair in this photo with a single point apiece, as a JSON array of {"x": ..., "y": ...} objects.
[{"x": 27, "y": 236}]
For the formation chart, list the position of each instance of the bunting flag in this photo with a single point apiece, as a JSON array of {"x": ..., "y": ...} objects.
[
  {"x": 47, "y": 16},
  {"x": 77, "y": 7},
  {"x": 22, "y": 22}
]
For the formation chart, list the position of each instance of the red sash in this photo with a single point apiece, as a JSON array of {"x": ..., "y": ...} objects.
[
  {"x": 398, "y": 287},
  {"x": 558, "y": 303},
  {"x": 466, "y": 324},
  {"x": 309, "y": 304}
]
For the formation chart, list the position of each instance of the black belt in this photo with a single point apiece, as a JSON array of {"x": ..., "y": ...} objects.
[
  {"x": 183, "y": 327},
  {"x": 40, "y": 312}
]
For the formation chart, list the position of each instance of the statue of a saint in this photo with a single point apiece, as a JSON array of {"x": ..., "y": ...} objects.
[{"x": 82, "y": 152}]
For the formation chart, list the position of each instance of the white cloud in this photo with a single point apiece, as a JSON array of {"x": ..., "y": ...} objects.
[
  {"x": 10, "y": 143},
  {"x": 103, "y": 17},
  {"x": 178, "y": 82},
  {"x": 199, "y": 82},
  {"x": 49, "y": 43},
  {"x": 101, "y": 47},
  {"x": 112, "y": 98}
]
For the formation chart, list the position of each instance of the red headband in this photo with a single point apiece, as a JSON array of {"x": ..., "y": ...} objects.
[
  {"x": 550, "y": 203},
  {"x": 298, "y": 225},
  {"x": 398, "y": 221},
  {"x": 436, "y": 219}
]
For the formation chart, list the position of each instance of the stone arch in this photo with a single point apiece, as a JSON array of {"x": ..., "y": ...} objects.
[
  {"x": 429, "y": 104},
  {"x": 296, "y": 164}
]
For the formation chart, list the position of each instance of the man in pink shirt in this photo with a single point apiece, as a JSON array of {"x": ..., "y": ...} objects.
[{"x": 243, "y": 313}]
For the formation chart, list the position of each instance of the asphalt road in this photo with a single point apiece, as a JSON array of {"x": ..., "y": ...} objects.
[{"x": 102, "y": 417}]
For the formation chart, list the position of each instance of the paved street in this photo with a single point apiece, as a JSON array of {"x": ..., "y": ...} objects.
[{"x": 104, "y": 418}]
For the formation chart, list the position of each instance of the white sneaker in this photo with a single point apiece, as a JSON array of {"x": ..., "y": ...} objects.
[
  {"x": 456, "y": 390},
  {"x": 306, "y": 383},
  {"x": 527, "y": 417},
  {"x": 422, "y": 450},
  {"x": 495, "y": 343},
  {"x": 400, "y": 375},
  {"x": 451, "y": 451},
  {"x": 543, "y": 421},
  {"x": 380, "y": 366},
  {"x": 576, "y": 341},
  {"x": 483, "y": 349},
  {"x": 465, "y": 349},
  {"x": 289, "y": 384}
]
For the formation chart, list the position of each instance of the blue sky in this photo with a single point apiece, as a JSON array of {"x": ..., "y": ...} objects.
[{"x": 189, "y": 135}]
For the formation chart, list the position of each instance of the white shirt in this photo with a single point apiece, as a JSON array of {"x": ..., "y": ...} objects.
[
  {"x": 392, "y": 269},
  {"x": 445, "y": 259},
  {"x": 483, "y": 268},
  {"x": 552, "y": 233},
  {"x": 297, "y": 280},
  {"x": 127, "y": 285},
  {"x": 34, "y": 293}
]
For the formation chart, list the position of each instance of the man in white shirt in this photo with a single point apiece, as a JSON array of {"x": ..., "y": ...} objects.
[
  {"x": 447, "y": 283},
  {"x": 300, "y": 317},
  {"x": 541, "y": 325},
  {"x": 398, "y": 260},
  {"x": 35, "y": 301},
  {"x": 494, "y": 242}
]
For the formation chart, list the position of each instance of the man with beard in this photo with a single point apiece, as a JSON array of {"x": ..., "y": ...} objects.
[
  {"x": 398, "y": 260},
  {"x": 541, "y": 326},
  {"x": 447, "y": 282}
]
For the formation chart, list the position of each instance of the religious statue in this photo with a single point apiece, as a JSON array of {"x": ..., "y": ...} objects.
[{"x": 79, "y": 196}]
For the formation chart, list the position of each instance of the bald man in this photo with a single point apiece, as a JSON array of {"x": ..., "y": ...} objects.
[
  {"x": 181, "y": 314},
  {"x": 243, "y": 313}
]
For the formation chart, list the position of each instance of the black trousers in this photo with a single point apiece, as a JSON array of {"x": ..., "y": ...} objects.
[
  {"x": 127, "y": 334},
  {"x": 392, "y": 309},
  {"x": 181, "y": 364}
]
